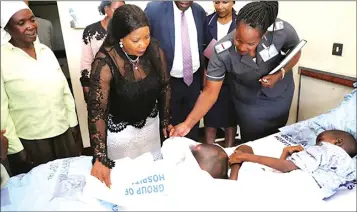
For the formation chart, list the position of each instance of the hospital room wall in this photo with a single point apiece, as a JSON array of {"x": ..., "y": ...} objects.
[{"x": 320, "y": 23}]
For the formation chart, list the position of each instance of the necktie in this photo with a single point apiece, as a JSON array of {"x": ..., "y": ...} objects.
[{"x": 186, "y": 52}]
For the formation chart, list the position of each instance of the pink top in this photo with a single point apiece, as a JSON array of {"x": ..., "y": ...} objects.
[{"x": 92, "y": 40}]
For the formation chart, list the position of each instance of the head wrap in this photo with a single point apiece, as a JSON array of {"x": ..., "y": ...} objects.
[{"x": 8, "y": 9}]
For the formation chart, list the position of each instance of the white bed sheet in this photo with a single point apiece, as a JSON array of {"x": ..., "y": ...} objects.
[
  {"x": 59, "y": 185},
  {"x": 343, "y": 200}
]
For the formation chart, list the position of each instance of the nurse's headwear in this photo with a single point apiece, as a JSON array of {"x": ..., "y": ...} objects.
[{"x": 8, "y": 9}]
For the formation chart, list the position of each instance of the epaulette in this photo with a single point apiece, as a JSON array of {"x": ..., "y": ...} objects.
[
  {"x": 223, "y": 46},
  {"x": 279, "y": 25}
]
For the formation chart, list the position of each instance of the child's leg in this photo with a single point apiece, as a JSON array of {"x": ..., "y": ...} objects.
[{"x": 235, "y": 168}]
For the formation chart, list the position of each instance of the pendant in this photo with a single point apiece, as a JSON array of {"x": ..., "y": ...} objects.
[{"x": 136, "y": 67}]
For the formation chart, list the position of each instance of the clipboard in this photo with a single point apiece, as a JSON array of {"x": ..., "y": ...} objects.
[
  {"x": 210, "y": 48},
  {"x": 289, "y": 55}
]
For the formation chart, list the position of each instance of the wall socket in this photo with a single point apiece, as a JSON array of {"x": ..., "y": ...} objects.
[{"x": 337, "y": 49}]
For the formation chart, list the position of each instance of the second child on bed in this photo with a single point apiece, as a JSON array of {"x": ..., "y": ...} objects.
[{"x": 329, "y": 162}]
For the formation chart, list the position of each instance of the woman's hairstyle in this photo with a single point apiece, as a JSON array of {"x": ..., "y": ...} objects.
[
  {"x": 126, "y": 19},
  {"x": 259, "y": 14},
  {"x": 103, "y": 4}
]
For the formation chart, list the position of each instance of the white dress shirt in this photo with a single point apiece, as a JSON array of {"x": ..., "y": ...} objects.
[{"x": 177, "y": 67}]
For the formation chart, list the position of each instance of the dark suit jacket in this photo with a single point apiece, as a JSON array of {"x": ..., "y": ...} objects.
[
  {"x": 211, "y": 32},
  {"x": 211, "y": 26},
  {"x": 162, "y": 27}
]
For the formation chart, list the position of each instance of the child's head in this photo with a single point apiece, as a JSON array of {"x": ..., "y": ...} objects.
[
  {"x": 340, "y": 138},
  {"x": 212, "y": 159}
]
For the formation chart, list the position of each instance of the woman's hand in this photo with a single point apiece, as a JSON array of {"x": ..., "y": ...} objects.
[
  {"x": 4, "y": 145},
  {"x": 166, "y": 130},
  {"x": 270, "y": 80},
  {"x": 180, "y": 130},
  {"x": 101, "y": 172}
]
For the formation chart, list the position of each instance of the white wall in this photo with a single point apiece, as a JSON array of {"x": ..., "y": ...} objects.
[{"x": 320, "y": 23}]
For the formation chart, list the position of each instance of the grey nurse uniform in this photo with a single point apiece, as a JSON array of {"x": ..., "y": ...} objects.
[{"x": 260, "y": 111}]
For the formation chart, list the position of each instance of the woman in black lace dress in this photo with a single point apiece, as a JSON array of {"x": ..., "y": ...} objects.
[{"x": 129, "y": 93}]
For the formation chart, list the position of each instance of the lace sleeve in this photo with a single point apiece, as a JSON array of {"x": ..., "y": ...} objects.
[
  {"x": 99, "y": 88},
  {"x": 86, "y": 59},
  {"x": 164, "y": 99}
]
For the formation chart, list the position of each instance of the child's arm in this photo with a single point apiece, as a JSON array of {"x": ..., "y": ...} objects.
[
  {"x": 235, "y": 167},
  {"x": 234, "y": 171},
  {"x": 278, "y": 164},
  {"x": 287, "y": 151}
]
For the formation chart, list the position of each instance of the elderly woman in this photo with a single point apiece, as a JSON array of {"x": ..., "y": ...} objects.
[
  {"x": 93, "y": 37},
  {"x": 37, "y": 107},
  {"x": 129, "y": 88}
]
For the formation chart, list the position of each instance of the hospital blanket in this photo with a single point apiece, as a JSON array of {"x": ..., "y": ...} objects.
[
  {"x": 57, "y": 185},
  {"x": 328, "y": 164},
  {"x": 61, "y": 185},
  {"x": 147, "y": 181}
]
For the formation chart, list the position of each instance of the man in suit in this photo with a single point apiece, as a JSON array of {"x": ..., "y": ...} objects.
[
  {"x": 179, "y": 27},
  {"x": 45, "y": 32}
]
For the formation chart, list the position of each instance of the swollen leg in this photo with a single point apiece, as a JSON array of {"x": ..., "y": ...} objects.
[
  {"x": 210, "y": 135},
  {"x": 230, "y": 134}
]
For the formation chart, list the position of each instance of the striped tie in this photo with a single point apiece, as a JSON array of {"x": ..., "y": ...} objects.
[{"x": 186, "y": 52}]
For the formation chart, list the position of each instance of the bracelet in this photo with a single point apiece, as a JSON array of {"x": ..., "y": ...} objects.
[
  {"x": 104, "y": 160},
  {"x": 282, "y": 73}
]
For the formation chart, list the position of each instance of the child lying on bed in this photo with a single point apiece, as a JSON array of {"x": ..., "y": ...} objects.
[
  {"x": 329, "y": 162},
  {"x": 184, "y": 166},
  {"x": 212, "y": 159}
]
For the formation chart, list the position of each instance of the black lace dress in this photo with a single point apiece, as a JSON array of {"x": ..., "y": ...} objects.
[{"x": 124, "y": 103}]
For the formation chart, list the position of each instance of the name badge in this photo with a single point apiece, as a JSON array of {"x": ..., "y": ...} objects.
[{"x": 268, "y": 53}]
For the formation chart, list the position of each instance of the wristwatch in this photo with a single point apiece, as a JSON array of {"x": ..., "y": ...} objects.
[{"x": 282, "y": 73}]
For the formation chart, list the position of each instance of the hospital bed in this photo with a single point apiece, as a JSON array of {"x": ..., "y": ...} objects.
[{"x": 59, "y": 185}]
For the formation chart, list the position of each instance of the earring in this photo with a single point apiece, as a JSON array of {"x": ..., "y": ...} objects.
[{"x": 121, "y": 44}]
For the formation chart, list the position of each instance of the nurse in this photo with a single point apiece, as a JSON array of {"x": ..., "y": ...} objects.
[{"x": 246, "y": 56}]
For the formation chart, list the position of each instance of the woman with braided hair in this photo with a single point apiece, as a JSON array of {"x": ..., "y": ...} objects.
[{"x": 246, "y": 56}]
